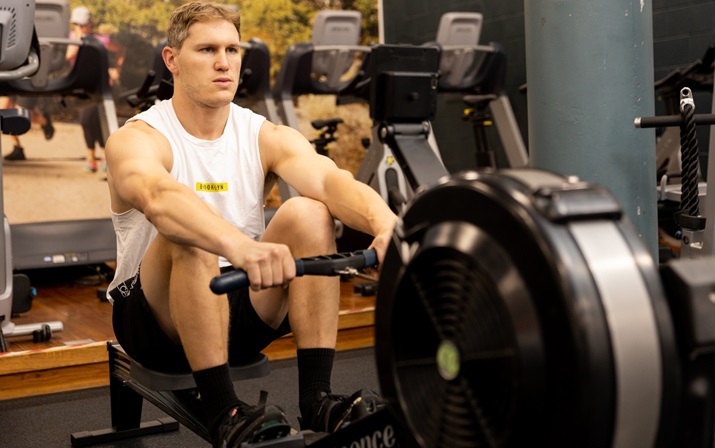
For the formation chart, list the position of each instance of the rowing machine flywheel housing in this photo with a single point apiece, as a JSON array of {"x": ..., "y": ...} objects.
[{"x": 520, "y": 308}]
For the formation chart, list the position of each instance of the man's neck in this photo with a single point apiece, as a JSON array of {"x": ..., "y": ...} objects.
[{"x": 206, "y": 123}]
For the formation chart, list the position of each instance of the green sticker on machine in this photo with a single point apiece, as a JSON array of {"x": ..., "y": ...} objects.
[{"x": 448, "y": 361}]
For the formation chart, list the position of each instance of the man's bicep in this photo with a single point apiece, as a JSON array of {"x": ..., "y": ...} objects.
[{"x": 293, "y": 158}]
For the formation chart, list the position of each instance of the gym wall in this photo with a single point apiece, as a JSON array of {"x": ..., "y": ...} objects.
[{"x": 682, "y": 31}]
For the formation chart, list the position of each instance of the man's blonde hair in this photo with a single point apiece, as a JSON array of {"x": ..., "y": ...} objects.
[{"x": 186, "y": 15}]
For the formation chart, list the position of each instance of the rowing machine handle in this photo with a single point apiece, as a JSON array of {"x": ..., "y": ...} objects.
[{"x": 328, "y": 265}]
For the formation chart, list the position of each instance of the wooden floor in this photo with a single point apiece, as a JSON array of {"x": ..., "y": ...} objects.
[{"x": 76, "y": 357}]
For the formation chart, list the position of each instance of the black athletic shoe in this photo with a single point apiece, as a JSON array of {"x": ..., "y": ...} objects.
[
  {"x": 18, "y": 153},
  {"x": 252, "y": 424},
  {"x": 332, "y": 412},
  {"x": 47, "y": 128}
]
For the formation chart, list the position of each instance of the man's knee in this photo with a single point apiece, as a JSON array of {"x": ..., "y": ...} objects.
[
  {"x": 306, "y": 206},
  {"x": 307, "y": 220}
]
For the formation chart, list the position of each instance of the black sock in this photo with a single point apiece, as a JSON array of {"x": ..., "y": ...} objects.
[
  {"x": 217, "y": 393},
  {"x": 315, "y": 366}
]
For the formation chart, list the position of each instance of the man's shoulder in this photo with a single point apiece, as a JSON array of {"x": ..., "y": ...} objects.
[
  {"x": 137, "y": 125},
  {"x": 136, "y": 130}
]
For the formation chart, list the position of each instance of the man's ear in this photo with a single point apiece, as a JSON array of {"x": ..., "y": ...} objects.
[{"x": 169, "y": 56}]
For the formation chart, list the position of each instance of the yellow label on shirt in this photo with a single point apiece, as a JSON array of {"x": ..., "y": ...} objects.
[{"x": 212, "y": 187}]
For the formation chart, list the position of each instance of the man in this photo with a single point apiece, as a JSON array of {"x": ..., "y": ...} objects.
[{"x": 187, "y": 181}]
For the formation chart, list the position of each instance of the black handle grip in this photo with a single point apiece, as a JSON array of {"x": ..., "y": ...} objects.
[
  {"x": 328, "y": 265},
  {"x": 671, "y": 121}
]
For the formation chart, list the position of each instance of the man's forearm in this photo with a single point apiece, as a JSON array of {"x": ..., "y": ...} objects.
[
  {"x": 183, "y": 218},
  {"x": 358, "y": 206}
]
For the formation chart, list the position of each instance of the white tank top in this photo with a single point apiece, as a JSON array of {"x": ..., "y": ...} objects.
[{"x": 225, "y": 172}]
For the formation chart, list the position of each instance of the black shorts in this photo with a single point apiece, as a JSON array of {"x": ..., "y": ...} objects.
[{"x": 139, "y": 334}]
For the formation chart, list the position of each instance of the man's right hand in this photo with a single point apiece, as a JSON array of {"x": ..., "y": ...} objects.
[{"x": 267, "y": 264}]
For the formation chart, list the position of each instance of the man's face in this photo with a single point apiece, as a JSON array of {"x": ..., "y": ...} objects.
[{"x": 209, "y": 63}]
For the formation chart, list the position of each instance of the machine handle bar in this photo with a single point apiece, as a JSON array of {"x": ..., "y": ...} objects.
[
  {"x": 671, "y": 120},
  {"x": 345, "y": 263}
]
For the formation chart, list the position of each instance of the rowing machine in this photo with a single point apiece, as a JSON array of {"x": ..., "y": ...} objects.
[{"x": 175, "y": 394}]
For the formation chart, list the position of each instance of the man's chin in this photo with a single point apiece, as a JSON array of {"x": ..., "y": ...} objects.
[{"x": 219, "y": 101}]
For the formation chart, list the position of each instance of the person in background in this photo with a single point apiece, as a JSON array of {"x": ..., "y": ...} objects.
[
  {"x": 43, "y": 119},
  {"x": 82, "y": 26}
]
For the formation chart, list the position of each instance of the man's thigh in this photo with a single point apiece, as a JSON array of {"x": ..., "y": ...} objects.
[{"x": 138, "y": 332}]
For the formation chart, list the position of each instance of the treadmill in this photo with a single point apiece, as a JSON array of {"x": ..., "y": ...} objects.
[{"x": 73, "y": 242}]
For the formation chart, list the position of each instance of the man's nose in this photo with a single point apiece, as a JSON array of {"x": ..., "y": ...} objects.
[{"x": 221, "y": 62}]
